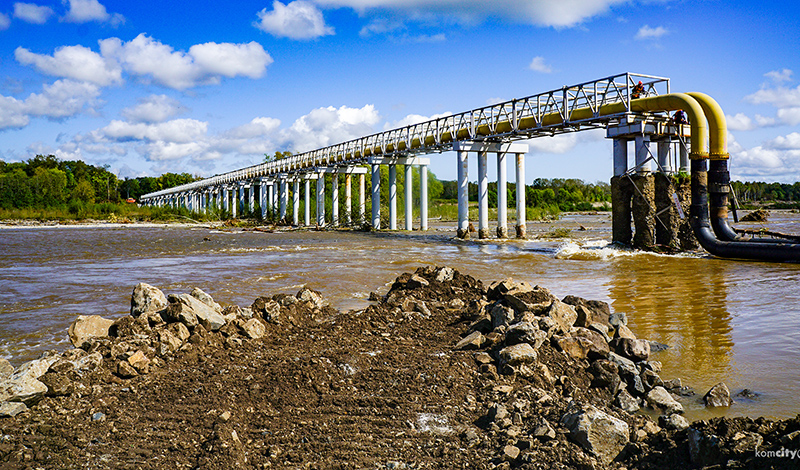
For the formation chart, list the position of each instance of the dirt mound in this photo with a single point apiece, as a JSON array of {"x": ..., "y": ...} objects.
[{"x": 441, "y": 372}]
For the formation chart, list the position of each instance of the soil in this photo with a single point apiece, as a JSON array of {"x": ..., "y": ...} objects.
[{"x": 378, "y": 388}]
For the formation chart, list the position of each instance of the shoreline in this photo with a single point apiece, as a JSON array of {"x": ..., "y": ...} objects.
[{"x": 496, "y": 376}]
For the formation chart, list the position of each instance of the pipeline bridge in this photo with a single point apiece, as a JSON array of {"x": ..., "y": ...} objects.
[{"x": 629, "y": 106}]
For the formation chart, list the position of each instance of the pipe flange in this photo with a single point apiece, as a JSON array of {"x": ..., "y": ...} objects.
[
  {"x": 719, "y": 156},
  {"x": 698, "y": 155}
]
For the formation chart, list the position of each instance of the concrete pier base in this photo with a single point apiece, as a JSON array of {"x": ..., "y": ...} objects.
[
  {"x": 668, "y": 219},
  {"x": 621, "y": 193},
  {"x": 643, "y": 209}
]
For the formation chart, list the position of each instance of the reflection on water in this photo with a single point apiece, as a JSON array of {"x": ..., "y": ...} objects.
[{"x": 729, "y": 321}]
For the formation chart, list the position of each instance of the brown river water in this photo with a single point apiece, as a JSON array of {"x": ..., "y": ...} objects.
[{"x": 731, "y": 321}]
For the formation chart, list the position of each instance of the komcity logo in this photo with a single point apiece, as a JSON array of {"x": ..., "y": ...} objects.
[{"x": 781, "y": 453}]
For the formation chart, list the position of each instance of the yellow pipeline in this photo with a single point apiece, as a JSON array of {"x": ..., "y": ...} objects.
[
  {"x": 717, "y": 126},
  {"x": 670, "y": 102}
]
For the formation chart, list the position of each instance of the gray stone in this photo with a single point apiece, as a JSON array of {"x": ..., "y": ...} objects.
[
  {"x": 544, "y": 431},
  {"x": 253, "y": 328},
  {"x": 416, "y": 281},
  {"x": 718, "y": 396},
  {"x": 548, "y": 325},
  {"x": 624, "y": 364},
  {"x": 589, "y": 311},
  {"x": 89, "y": 362},
  {"x": 497, "y": 412},
  {"x": 518, "y": 354},
  {"x": 601, "y": 329},
  {"x": 660, "y": 399},
  {"x": 146, "y": 298},
  {"x": 23, "y": 385},
  {"x": 618, "y": 318},
  {"x": 168, "y": 343},
  {"x": 673, "y": 384},
  {"x": 576, "y": 348},
  {"x": 190, "y": 311},
  {"x": 564, "y": 315},
  {"x": 268, "y": 309},
  {"x": 634, "y": 349},
  {"x": 599, "y": 346},
  {"x": 498, "y": 289},
  {"x": 472, "y": 341},
  {"x": 673, "y": 422},
  {"x": 198, "y": 294},
  {"x": 605, "y": 374},
  {"x": 444, "y": 274},
  {"x": 525, "y": 332},
  {"x": 510, "y": 453},
  {"x": 11, "y": 409},
  {"x": 86, "y": 327},
  {"x": 180, "y": 331},
  {"x": 597, "y": 432},
  {"x": 703, "y": 448},
  {"x": 626, "y": 402},
  {"x": 501, "y": 315},
  {"x": 126, "y": 370},
  {"x": 315, "y": 298},
  {"x": 6, "y": 369},
  {"x": 58, "y": 384},
  {"x": 623, "y": 331},
  {"x": 746, "y": 442}
]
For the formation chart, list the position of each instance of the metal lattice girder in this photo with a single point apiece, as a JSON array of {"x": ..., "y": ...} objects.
[{"x": 571, "y": 108}]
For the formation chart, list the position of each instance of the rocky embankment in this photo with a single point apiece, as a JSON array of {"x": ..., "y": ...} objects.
[{"x": 441, "y": 372}]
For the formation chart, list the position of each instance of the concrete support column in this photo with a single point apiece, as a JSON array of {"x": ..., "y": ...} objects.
[
  {"x": 643, "y": 166},
  {"x": 335, "y": 200},
  {"x": 621, "y": 193},
  {"x": 296, "y": 203},
  {"x": 225, "y": 199},
  {"x": 684, "y": 155},
  {"x": 392, "y": 197},
  {"x": 235, "y": 200},
  {"x": 262, "y": 198},
  {"x": 663, "y": 156},
  {"x": 271, "y": 199},
  {"x": 483, "y": 196},
  {"x": 362, "y": 199},
  {"x": 423, "y": 197},
  {"x": 348, "y": 199},
  {"x": 409, "y": 186},
  {"x": 620, "y": 157},
  {"x": 502, "y": 196},
  {"x": 376, "y": 196},
  {"x": 307, "y": 209},
  {"x": 251, "y": 197},
  {"x": 463, "y": 194},
  {"x": 284, "y": 196},
  {"x": 321, "y": 200},
  {"x": 521, "y": 227},
  {"x": 643, "y": 207}
]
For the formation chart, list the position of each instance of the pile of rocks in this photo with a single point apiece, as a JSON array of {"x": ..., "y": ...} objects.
[{"x": 157, "y": 327}]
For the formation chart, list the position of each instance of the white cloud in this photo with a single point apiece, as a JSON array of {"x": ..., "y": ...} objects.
[
  {"x": 258, "y": 127},
  {"x": 297, "y": 20},
  {"x": 174, "y": 131},
  {"x": 538, "y": 65},
  {"x": 779, "y": 76},
  {"x": 555, "y": 13},
  {"x": 83, "y": 11},
  {"x": 790, "y": 116},
  {"x": 740, "y": 122},
  {"x": 76, "y": 62},
  {"x": 154, "y": 108},
  {"x": 780, "y": 97},
  {"x": 327, "y": 126},
  {"x": 5, "y": 22},
  {"x": 62, "y": 99},
  {"x": 32, "y": 13},
  {"x": 775, "y": 160},
  {"x": 646, "y": 32},
  {"x": 563, "y": 143},
  {"x": 204, "y": 64}
]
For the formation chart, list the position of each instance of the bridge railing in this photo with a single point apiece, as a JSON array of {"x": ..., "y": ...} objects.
[{"x": 547, "y": 113}]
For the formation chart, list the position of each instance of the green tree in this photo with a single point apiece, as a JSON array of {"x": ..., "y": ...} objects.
[{"x": 83, "y": 192}]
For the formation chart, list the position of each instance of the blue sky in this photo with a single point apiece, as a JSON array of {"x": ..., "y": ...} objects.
[{"x": 208, "y": 87}]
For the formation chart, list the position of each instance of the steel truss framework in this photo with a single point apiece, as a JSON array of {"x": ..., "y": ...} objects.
[{"x": 544, "y": 114}]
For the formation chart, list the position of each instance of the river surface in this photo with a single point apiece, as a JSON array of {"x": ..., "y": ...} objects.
[{"x": 725, "y": 321}]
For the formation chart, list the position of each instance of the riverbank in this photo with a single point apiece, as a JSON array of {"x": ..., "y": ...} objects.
[{"x": 441, "y": 371}]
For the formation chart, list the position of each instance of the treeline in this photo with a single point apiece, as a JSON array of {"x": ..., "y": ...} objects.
[
  {"x": 750, "y": 192},
  {"x": 47, "y": 182},
  {"x": 557, "y": 193}
]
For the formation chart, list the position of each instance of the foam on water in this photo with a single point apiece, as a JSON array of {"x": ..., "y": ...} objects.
[{"x": 589, "y": 250}]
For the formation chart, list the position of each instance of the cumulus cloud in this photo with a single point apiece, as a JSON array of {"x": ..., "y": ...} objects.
[
  {"x": 777, "y": 159},
  {"x": 779, "y": 76},
  {"x": 5, "y": 22},
  {"x": 32, "y": 13},
  {"x": 204, "y": 64},
  {"x": 258, "y": 127},
  {"x": 154, "y": 108},
  {"x": 297, "y": 20},
  {"x": 62, "y": 99},
  {"x": 83, "y": 11},
  {"x": 538, "y": 65},
  {"x": 327, "y": 126},
  {"x": 75, "y": 62},
  {"x": 555, "y": 13},
  {"x": 647, "y": 32},
  {"x": 174, "y": 131}
]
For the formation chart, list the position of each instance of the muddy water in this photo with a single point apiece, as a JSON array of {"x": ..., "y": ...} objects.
[{"x": 731, "y": 321}]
